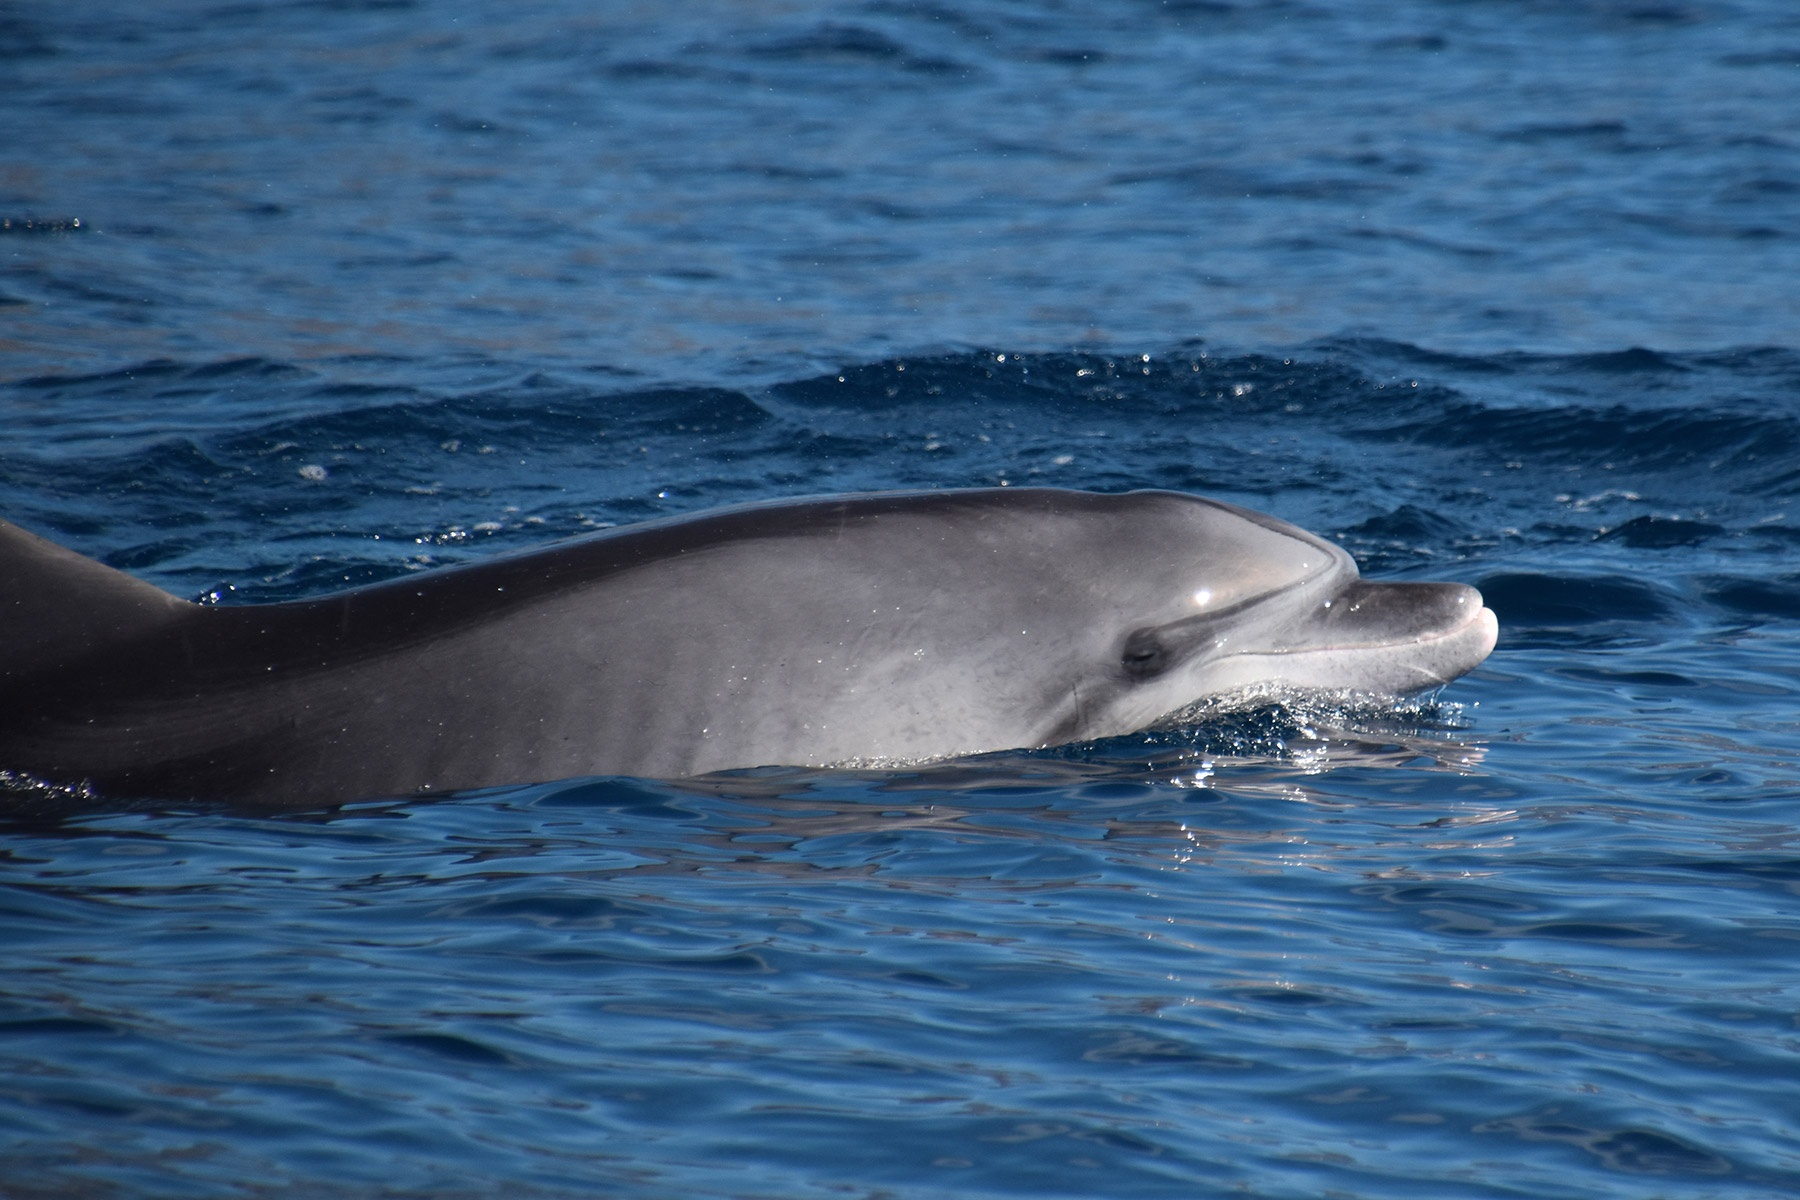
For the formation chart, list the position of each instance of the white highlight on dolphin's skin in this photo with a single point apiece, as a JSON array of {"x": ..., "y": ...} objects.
[{"x": 1202, "y": 597}]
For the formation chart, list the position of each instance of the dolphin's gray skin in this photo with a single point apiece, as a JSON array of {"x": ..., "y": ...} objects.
[{"x": 882, "y": 628}]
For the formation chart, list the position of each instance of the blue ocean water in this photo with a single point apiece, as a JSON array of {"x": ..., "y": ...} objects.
[{"x": 298, "y": 296}]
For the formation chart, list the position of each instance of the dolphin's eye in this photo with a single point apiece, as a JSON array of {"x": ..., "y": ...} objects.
[{"x": 1144, "y": 654}]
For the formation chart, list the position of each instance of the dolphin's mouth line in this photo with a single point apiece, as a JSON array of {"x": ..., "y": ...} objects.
[{"x": 1420, "y": 640}]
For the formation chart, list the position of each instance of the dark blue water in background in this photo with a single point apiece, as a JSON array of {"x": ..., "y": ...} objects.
[{"x": 295, "y": 296}]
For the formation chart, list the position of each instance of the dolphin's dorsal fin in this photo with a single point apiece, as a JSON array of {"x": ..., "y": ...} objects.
[{"x": 58, "y": 607}]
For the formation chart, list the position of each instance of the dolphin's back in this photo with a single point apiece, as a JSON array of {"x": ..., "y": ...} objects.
[
  {"x": 638, "y": 651},
  {"x": 880, "y": 626}
]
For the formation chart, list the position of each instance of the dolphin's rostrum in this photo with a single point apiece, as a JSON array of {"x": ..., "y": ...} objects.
[{"x": 888, "y": 627}]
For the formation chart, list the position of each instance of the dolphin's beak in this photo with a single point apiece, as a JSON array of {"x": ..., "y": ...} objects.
[{"x": 1395, "y": 637}]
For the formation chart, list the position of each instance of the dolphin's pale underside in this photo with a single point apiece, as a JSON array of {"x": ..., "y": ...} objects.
[{"x": 892, "y": 627}]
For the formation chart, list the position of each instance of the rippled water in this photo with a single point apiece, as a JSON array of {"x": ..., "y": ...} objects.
[
  {"x": 1495, "y": 292},
  {"x": 728, "y": 188}
]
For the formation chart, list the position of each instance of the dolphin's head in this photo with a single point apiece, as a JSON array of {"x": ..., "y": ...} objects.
[{"x": 1258, "y": 601}]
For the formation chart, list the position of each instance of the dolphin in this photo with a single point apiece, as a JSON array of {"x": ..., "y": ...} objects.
[{"x": 872, "y": 629}]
